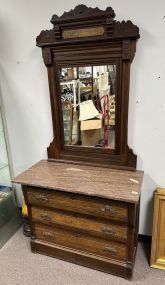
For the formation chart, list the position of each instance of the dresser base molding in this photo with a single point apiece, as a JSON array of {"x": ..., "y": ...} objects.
[{"x": 122, "y": 269}]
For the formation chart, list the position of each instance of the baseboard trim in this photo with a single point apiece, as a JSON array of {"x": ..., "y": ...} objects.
[{"x": 144, "y": 238}]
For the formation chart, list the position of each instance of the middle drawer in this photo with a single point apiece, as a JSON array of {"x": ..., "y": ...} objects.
[{"x": 76, "y": 221}]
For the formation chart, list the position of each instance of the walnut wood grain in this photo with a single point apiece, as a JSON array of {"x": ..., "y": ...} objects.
[
  {"x": 94, "y": 181},
  {"x": 63, "y": 216},
  {"x": 103, "y": 229},
  {"x": 103, "y": 208},
  {"x": 120, "y": 268},
  {"x": 85, "y": 243},
  {"x": 115, "y": 44}
]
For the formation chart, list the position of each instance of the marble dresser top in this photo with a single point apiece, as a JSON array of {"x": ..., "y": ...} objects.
[{"x": 89, "y": 180}]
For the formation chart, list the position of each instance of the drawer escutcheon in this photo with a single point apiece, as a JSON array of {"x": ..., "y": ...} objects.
[
  {"x": 42, "y": 198},
  {"x": 108, "y": 230},
  {"x": 109, "y": 209},
  {"x": 46, "y": 217},
  {"x": 48, "y": 235},
  {"x": 110, "y": 249}
]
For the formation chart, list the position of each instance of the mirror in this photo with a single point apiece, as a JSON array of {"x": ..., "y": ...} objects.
[
  {"x": 88, "y": 96},
  {"x": 89, "y": 75}
]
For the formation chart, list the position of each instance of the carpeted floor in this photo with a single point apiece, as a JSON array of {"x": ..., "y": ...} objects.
[{"x": 19, "y": 266}]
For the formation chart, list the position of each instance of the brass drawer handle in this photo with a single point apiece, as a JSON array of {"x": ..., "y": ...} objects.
[
  {"x": 45, "y": 217},
  {"x": 108, "y": 230},
  {"x": 77, "y": 235},
  {"x": 42, "y": 198},
  {"x": 48, "y": 235},
  {"x": 110, "y": 249},
  {"x": 108, "y": 208}
]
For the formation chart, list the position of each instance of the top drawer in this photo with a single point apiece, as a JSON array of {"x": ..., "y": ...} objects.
[{"x": 88, "y": 205}]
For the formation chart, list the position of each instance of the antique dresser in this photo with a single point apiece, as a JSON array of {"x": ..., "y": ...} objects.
[{"x": 83, "y": 202}]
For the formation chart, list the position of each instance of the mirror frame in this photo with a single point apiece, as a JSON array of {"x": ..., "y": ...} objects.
[{"x": 82, "y": 37}]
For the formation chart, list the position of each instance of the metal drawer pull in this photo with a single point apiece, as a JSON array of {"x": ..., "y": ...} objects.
[
  {"x": 48, "y": 235},
  {"x": 110, "y": 249},
  {"x": 109, "y": 231},
  {"x": 45, "y": 217},
  {"x": 77, "y": 235},
  {"x": 108, "y": 208},
  {"x": 42, "y": 198}
]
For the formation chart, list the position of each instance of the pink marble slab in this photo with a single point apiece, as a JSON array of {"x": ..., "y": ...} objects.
[{"x": 95, "y": 181}]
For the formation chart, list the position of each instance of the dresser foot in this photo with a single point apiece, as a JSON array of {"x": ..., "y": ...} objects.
[
  {"x": 129, "y": 270},
  {"x": 32, "y": 243},
  {"x": 26, "y": 228}
]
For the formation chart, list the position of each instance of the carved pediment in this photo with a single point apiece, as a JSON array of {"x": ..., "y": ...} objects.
[
  {"x": 82, "y": 11},
  {"x": 46, "y": 37},
  {"x": 85, "y": 22},
  {"x": 125, "y": 29}
]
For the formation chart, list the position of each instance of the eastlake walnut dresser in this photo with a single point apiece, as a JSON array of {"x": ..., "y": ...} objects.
[
  {"x": 86, "y": 215},
  {"x": 83, "y": 202}
]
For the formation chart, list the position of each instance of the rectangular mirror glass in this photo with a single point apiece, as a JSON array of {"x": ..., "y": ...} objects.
[{"x": 88, "y": 105}]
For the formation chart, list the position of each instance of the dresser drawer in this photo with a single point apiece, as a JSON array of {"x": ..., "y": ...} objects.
[
  {"x": 81, "y": 223},
  {"x": 81, "y": 242},
  {"x": 93, "y": 206}
]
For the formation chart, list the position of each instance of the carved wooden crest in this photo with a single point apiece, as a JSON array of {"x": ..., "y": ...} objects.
[
  {"x": 86, "y": 23},
  {"x": 82, "y": 12}
]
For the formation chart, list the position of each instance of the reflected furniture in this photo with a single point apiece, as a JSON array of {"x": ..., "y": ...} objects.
[
  {"x": 158, "y": 231},
  {"x": 83, "y": 202}
]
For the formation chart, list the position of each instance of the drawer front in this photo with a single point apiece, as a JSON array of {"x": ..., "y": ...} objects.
[
  {"x": 99, "y": 207},
  {"x": 81, "y": 242},
  {"x": 92, "y": 226}
]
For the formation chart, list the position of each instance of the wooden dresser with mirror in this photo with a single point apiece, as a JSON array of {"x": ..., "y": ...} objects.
[{"x": 83, "y": 202}]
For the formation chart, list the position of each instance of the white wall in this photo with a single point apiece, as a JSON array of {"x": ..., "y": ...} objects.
[{"x": 24, "y": 87}]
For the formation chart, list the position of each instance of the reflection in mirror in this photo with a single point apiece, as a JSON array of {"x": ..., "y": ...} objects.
[{"x": 88, "y": 105}]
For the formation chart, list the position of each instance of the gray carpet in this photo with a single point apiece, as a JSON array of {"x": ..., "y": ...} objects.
[{"x": 19, "y": 266}]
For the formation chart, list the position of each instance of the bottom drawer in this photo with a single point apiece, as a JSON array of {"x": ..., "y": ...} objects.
[{"x": 81, "y": 242}]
